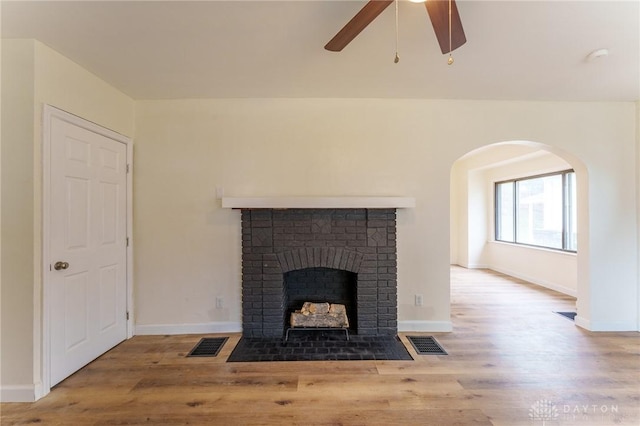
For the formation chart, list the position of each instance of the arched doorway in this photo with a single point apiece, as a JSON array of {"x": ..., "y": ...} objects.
[{"x": 473, "y": 242}]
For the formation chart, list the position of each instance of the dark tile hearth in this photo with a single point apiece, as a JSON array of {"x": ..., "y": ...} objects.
[{"x": 319, "y": 346}]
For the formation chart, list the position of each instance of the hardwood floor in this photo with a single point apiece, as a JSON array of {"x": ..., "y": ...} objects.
[{"x": 511, "y": 362}]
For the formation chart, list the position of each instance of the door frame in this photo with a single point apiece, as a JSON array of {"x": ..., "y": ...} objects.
[{"x": 48, "y": 114}]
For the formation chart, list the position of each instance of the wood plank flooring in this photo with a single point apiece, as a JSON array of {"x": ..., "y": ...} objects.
[{"x": 508, "y": 355}]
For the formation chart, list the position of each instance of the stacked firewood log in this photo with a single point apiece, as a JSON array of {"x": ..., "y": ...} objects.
[{"x": 320, "y": 315}]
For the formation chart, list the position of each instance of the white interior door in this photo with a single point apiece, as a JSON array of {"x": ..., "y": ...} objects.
[{"x": 87, "y": 246}]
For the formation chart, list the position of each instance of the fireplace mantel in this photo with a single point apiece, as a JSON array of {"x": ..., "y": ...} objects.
[{"x": 318, "y": 202}]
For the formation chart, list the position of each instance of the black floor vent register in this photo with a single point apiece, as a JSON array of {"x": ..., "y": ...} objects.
[
  {"x": 569, "y": 315},
  {"x": 208, "y": 346},
  {"x": 426, "y": 345}
]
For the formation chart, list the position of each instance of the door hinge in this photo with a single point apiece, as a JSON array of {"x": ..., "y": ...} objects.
[
  {"x": 128, "y": 169},
  {"x": 127, "y": 241},
  {"x": 127, "y": 315}
]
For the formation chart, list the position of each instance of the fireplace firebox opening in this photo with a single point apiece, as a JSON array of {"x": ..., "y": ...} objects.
[{"x": 321, "y": 285}]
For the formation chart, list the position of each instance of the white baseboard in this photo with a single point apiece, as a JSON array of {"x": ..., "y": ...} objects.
[
  {"x": 605, "y": 325},
  {"x": 40, "y": 391},
  {"x": 233, "y": 327},
  {"x": 17, "y": 393},
  {"x": 542, "y": 283},
  {"x": 427, "y": 326},
  {"x": 203, "y": 328},
  {"x": 475, "y": 266}
]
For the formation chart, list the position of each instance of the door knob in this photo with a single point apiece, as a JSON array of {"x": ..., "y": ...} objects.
[{"x": 60, "y": 265}]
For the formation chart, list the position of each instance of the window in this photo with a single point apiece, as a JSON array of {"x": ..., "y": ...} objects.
[{"x": 538, "y": 211}]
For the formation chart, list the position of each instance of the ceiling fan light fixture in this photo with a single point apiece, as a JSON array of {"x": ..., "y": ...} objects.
[{"x": 443, "y": 14}]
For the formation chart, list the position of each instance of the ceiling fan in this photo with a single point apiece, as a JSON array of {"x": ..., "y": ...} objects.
[{"x": 438, "y": 11}]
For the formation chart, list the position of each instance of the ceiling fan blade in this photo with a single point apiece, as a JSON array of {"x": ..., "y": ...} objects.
[
  {"x": 439, "y": 14},
  {"x": 358, "y": 23}
]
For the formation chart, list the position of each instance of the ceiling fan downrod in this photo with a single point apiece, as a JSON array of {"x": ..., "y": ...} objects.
[
  {"x": 396, "y": 59},
  {"x": 450, "y": 60}
]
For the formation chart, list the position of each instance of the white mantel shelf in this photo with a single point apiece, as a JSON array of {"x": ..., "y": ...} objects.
[{"x": 318, "y": 202}]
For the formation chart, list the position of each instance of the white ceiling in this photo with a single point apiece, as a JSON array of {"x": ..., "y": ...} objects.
[{"x": 516, "y": 50}]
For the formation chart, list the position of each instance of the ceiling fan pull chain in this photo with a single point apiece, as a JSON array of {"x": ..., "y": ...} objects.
[
  {"x": 450, "y": 60},
  {"x": 396, "y": 59}
]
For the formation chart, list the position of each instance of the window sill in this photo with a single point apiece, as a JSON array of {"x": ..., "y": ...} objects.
[{"x": 536, "y": 248}]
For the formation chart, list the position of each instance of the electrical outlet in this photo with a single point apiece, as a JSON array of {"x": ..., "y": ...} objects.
[
  {"x": 219, "y": 302},
  {"x": 418, "y": 300}
]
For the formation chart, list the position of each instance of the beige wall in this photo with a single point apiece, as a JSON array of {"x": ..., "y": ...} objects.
[
  {"x": 187, "y": 248},
  {"x": 17, "y": 238},
  {"x": 32, "y": 75},
  {"x": 638, "y": 197}
]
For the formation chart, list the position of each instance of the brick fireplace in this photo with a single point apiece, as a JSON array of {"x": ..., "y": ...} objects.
[{"x": 345, "y": 255}]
